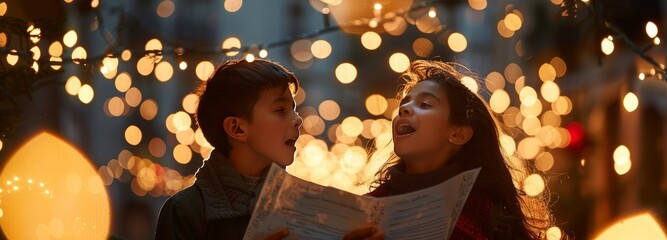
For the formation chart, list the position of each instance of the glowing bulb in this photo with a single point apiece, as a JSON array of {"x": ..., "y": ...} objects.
[
  {"x": 431, "y": 13},
  {"x": 263, "y": 53},
  {"x": 630, "y": 102},
  {"x": 250, "y": 57},
  {"x": 656, "y": 41},
  {"x": 377, "y": 6},
  {"x": 183, "y": 65},
  {"x": 373, "y": 23},
  {"x": 607, "y": 45},
  {"x": 651, "y": 29},
  {"x": 642, "y": 76}
]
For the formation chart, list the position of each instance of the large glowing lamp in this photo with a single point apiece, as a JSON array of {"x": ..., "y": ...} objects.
[
  {"x": 360, "y": 16},
  {"x": 49, "y": 190},
  {"x": 641, "y": 226}
]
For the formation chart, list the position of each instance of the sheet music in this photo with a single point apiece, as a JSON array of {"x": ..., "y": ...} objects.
[{"x": 312, "y": 211}]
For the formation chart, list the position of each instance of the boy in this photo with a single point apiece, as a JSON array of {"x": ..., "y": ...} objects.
[{"x": 247, "y": 112}]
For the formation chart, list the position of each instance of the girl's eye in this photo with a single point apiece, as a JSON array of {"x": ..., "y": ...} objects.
[
  {"x": 280, "y": 110},
  {"x": 424, "y": 104}
]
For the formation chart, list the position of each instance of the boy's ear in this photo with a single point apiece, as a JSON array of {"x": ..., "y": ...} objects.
[
  {"x": 235, "y": 128},
  {"x": 461, "y": 135}
]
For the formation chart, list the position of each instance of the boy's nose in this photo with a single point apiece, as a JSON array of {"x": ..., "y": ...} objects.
[{"x": 297, "y": 120}]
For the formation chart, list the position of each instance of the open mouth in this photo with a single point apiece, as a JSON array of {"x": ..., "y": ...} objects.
[
  {"x": 404, "y": 129},
  {"x": 291, "y": 142}
]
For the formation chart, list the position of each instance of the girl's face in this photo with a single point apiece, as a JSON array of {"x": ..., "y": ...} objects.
[{"x": 421, "y": 130}]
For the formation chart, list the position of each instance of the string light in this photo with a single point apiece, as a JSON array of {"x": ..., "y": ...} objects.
[
  {"x": 607, "y": 45},
  {"x": 651, "y": 29},
  {"x": 250, "y": 57},
  {"x": 183, "y": 65},
  {"x": 263, "y": 53},
  {"x": 431, "y": 12}
]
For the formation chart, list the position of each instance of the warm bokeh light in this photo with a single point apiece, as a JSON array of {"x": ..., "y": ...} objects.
[
  {"x": 457, "y": 42},
  {"x": 622, "y": 168},
  {"x": 182, "y": 154},
  {"x": 79, "y": 54},
  {"x": 399, "y": 62},
  {"x": 321, "y": 49},
  {"x": 529, "y": 147},
  {"x": 133, "y": 97},
  {"x": 313, "y": 125},
  {"x": 164, "y": 71},
  {"x": 145, "y": 65},
  {"x": 153, "y": 44},
  {"x": 477, "y": 4},
  {"x": 301, "y": 50},
  {"x": 148, "y": 109},
  {"x": 186, "y": 137},
  {"x": 204, "y": 70},
  {"x": 70, "y": 38},
  {"x": 55, "y": 193},
  {"x": 500, "y": 101},
  {"x": 494, "y": 81},
  {"x": 181, "y": 121},
  {"x": 528, "y": 96},
  {"x": 231, "y": 43},
  {"x": 554, "y": 233},
  {"x": 547, "y": 72},
  {"x": 36, "y": 53},
  {"x": 329, "y": 110},
  {"x": 651, "y": 29},
  {"x": 513, "y": 22},
  {"x": 503, "y": 31},
  {"x": 371, "y": 40},
  {"x": 12, "y": 57},
  {"x": 550, "y": 91},
  {"x": 3, "y": 39},
  {"x": 165, "y": 8},
  {"x": 346, "y": 73},
  {"x": 422, "y": 47},
  {"x": 190, "y": 103},
  {"x": 263, "y": 53},
  {"x": 86, "y": 94},
  {"x": 630, "y": 102},
  {"x": 116, "y": 106},
  {"x": 352, "y": 126},
  {"x": 3, "y": 8},
  {"x": 133, "y": 135},
  {"x": 544, "y": 161},
  {"x": 182, "y": 65},
  {"x": 73, "y": 85},
  {"x": 562, "y": 105},
  {"x": 470, "y": 83},
  {"x": 533, "y": 185},
  {"x": 621, "y": 154},
  {"x": 376, "y": 104},
  {"x": 123, "y": 82},
  {"x": 607, "y": 45},
  {"x": 233, "y": 5},
  {"x": 513, "y": 72},
  {"x": 640, "y": 226},
  {"x": 559, "y": 65},
  {"x": 126, "y": 55},
  {"x": 157, "y": 147},
  {"x": 508, "y": 144}
]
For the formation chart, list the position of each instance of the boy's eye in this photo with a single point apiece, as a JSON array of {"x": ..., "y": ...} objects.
[
  {"x": 424, "y": 104},
  {"x": 280, "y": 110}
]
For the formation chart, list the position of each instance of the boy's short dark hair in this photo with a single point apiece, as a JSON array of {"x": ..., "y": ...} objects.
[{"x": 232, "y": 92}]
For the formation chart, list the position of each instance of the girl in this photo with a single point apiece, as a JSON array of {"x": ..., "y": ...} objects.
[{"x": 443, "y": 129}]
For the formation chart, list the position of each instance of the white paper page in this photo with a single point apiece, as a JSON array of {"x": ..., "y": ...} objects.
[
  {"x": 266, "y": 201},
  {"x": 430, "y": 213},
  {"x": 311, "y": 211}
]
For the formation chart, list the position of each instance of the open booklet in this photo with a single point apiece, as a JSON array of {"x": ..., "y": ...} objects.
[{"x": 312, "y": 211}]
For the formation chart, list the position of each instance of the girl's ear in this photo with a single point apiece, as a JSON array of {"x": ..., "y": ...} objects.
[
  {"x": 235, "y": 128},
  {"x": 461, "y": 135}
]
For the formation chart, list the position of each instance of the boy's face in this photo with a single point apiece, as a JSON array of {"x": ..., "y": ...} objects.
[{"x": 275, "y": 127}]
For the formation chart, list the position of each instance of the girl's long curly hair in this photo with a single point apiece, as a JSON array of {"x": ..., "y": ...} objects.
[{"x": 502, "y": 174}]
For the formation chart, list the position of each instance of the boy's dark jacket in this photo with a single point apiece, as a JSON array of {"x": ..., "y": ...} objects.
[{"x": 217, "y": 206}]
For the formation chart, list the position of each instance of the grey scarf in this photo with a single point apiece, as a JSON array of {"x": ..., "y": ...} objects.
[{"x": 227, "y": 193}]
